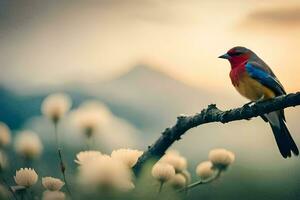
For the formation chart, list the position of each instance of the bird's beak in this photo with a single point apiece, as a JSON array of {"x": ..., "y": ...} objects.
[{"x": 225, "y": 56}]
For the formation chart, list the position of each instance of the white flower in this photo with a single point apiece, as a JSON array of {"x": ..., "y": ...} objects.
[
  {"x": 105, "y": 172},
  {"x": 4, "y": 135},
  {"x": 231, "y": 156},
  {"x": 163, "y": 171},
  {"x": 221, "y": 158},
  {"x": 205, "y": 170},
  {"x": 128, "y": 156},
  {"x": 176, "y": 160},
  {"x": 173, "y": 152},
  {"x": 53, "y": 184},
  {"x": 90, "y": 116},
  {"x": 53, "y": 195},
  {"x": 55, "y": 106},
  {"x": 26, "y": 177},
  {"x": 28, "y": 144},
  {"x": 3, "y": 161},
  {"x": 178, "y": 181},
  {"x": 86, "y": 156}
]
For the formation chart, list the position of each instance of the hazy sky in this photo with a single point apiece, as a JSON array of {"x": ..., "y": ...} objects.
[{"x": 48, "y": 43}]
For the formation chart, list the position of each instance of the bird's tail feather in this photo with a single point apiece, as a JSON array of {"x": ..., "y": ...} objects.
[{"x": 284, "y": 140}]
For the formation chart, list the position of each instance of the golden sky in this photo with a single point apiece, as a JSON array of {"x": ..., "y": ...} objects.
[{"x": 45, "y": 43}]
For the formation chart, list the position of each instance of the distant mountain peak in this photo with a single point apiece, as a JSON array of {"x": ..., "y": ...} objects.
[
  {"x": 142, "y": 70},
  {"x": 144, "y": 66}
]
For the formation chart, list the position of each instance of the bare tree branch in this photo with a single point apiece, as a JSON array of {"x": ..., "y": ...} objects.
[{"x": 213, "y": 114}]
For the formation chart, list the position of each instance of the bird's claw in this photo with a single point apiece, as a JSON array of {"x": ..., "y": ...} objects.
[{"x": 249, "y": 104}]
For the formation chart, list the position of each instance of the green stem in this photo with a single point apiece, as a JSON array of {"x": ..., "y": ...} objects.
[
  {"x": 160, "y": 187},
  {"x": 27, "y": 162},
  {"x": 186, "y": 183},
  {"x": 61, "y": 163},
  {"x": 56, "y": 135},
  {"x": 88, "y": 143},
  {"x": 201, "y": 182},
  {"x": 89, "y": 132},
  {"x": 23, "y": 194},
  {"x": 9, "y": 188}
]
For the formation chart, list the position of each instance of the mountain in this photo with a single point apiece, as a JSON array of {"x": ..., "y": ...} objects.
[
  {"x": 16, "y": 109},
  {"x": 145, "y": 96},
  {"x": 149, "y": 98}
]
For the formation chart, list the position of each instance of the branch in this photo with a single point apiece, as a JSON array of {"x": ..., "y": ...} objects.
[{"x": 213, "y": 114}]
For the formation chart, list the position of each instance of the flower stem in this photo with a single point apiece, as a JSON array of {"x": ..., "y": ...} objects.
[
  {"x": 61, "y": 163},
  {"x": 27, "y": 162},
  {"x": 88, "y": 143},
  {"x": 186, "y": 183},
  {"x": 160, "y": 187},
  {"x": 201, "y": 182},
  {"x": 23, "y": 194},
  {"x": 9, "y": 188}
]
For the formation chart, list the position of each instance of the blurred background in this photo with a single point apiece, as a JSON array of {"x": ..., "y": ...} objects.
[{"x": 148, "y": 61}]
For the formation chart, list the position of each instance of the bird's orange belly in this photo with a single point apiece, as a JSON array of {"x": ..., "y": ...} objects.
[{"x": 252, "y": 89}]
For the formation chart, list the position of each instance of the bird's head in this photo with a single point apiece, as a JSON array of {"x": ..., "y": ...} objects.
[{"x": 237, "y": 56}]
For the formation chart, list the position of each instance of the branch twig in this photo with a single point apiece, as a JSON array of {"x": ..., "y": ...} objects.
[{"x": 213, "y": 114}]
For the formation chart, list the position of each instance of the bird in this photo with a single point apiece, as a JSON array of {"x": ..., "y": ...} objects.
[{"x": 255, "y": 80}]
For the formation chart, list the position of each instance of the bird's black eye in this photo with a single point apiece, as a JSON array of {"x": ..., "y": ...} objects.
[{"x": 235, "y": 53}]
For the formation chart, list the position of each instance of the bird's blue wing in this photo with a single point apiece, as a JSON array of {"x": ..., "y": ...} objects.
[{"x": 265, "y": 77}]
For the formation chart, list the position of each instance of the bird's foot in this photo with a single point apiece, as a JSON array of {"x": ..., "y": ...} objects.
[
  {"x": 249, "y": 104},
  {"x": 262, "y": 98}
]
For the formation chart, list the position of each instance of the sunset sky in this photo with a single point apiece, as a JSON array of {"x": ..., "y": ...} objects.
[{"x": 50, "y": 43}]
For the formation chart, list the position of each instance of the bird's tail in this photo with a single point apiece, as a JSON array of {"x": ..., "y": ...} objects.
[{"x": 284, "y": 139}]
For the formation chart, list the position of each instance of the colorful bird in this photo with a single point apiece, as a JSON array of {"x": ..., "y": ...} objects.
[{"x": 253, "y": 79}]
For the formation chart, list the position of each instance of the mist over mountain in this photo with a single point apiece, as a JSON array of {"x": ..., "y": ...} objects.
[
  {"x": 16, "y": 109},
  {"x": 151, "y": 99},
  {"x": 144, "y": 96}
]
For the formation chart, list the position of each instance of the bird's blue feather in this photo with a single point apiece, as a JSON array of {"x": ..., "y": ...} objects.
[{"x": 265, "y": 78}]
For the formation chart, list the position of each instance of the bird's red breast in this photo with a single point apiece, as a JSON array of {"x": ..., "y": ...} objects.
[{"x": 236, "y": 74}]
